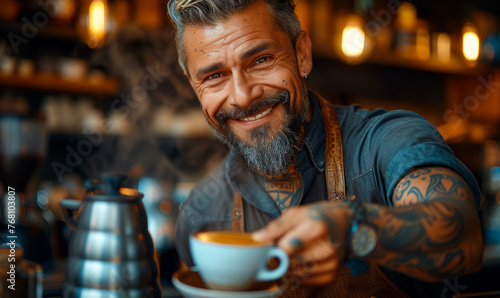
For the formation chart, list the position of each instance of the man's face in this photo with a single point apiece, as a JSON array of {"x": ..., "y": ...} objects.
[{"x": 247, "y": 76}]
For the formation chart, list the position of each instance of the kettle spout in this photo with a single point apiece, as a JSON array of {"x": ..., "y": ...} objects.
[{"x": 69, "y": 207}]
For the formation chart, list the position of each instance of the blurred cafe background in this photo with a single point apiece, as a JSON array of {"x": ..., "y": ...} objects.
[{"x": 93, "y": 86}]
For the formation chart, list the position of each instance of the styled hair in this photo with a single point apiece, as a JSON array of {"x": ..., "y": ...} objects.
[{"x": 210, "y": 12}]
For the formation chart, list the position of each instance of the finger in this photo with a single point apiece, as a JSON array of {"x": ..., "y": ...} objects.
[
  {"x": 278, "y": 227},
  {"x": 315, "y": 273},
  {"x": 312, "y": 268},
  {"x": 315, "y": 224},
  {"x": 302, "y": 235},
  {"x": 318, "y": 249}
]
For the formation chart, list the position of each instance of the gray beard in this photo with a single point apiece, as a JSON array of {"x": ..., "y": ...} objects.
[{"x": 272, "y": 157}]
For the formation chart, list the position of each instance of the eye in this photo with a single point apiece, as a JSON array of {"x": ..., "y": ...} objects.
[
  {"x": 213, "y": 76},
  {"x": 261, "y": 60}
]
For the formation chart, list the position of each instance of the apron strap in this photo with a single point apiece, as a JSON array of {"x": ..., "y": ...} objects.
[
  {"x": 334, "y": 158},
  {"x": 238, "y": 220}
]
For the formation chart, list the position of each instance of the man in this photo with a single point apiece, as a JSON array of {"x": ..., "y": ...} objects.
[{"x": 414, "y": 216}]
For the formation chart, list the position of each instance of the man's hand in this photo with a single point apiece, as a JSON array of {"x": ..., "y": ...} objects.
[
  {"x": 312, "y": 236},
  {"x": 432, "y": 233}
]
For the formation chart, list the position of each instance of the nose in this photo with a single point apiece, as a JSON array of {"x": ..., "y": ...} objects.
[{"x": 244, "y": 89}]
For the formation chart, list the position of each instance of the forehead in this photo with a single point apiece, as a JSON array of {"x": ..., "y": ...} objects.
[{"x": 242, "y": 29}]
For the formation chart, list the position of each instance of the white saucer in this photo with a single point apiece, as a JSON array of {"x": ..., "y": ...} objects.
[{"x": 189, "y": 284}]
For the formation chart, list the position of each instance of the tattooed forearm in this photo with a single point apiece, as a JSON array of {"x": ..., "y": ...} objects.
[
  {"x": 423, "y": 238},
  {"x": 430, "y": 227},
  {"x": 435, "y": 233}
]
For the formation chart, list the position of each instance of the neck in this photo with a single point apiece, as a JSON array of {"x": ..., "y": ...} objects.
[
  {"x": 284, "y": 188},
  {"x": 287, "y": 186}
]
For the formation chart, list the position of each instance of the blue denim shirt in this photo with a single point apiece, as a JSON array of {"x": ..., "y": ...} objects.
[{"x": 379, "y": 148}]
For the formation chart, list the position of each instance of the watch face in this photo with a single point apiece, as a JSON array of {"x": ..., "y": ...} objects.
[{"x": 363, "y": 240}]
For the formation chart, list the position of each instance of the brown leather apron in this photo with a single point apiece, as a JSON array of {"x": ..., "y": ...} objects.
[{"x": 372, "y": 283}]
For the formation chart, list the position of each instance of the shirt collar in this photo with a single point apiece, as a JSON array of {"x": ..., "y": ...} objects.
[{"x": 245, "y": 182}]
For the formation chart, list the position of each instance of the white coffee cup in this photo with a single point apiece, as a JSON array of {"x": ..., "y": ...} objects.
[{"x": 234, "y": 261}]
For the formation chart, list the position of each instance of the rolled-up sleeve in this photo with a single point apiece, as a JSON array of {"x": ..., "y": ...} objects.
[
  {"x": 392, "y": 144},
  {"x": 426, "y": 155}
]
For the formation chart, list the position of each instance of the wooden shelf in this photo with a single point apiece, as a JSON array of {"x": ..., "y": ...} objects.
[
  {"x": 455, "y": 66},
  {"x": 54, "y": 83}
]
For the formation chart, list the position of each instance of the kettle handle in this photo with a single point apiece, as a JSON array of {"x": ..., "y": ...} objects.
[{"x": 68, "y": 207}]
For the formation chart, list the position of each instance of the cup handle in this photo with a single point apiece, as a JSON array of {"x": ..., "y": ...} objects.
[{"x": 266, "y": 274}]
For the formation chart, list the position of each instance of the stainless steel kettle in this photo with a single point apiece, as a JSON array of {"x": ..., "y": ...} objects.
[{"x": 111, "y": 253}]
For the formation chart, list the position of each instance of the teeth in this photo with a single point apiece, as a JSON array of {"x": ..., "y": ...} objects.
[{"x": 258, "y": 116}]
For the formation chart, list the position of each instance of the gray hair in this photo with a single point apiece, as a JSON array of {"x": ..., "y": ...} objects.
[{"x": 210, "y": 12}]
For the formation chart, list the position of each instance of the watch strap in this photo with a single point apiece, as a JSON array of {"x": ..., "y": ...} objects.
[{"x": 359, "y": 215}]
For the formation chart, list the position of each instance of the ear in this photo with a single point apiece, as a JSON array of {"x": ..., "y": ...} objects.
[{"x": 304, "y": 52}]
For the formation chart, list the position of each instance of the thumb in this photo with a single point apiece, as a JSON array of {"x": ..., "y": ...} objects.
[{"x": 276, "y": 228}]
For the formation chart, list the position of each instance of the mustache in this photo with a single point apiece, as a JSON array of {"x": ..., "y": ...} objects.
[{"x": 282, "y": 97}]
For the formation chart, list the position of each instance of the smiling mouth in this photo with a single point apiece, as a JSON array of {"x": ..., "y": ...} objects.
[{"x": 258, "y": 116}]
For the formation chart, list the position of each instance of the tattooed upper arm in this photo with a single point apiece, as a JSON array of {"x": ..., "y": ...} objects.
[
  {"x": 436, "y": 232},
  {"x": 425, "y": 184}
]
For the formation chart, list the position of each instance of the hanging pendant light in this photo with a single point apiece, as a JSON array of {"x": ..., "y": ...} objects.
[
  {"x": 351, "y": 43},
  {"x": 353, "y": 39},
  {"x": 95, "y": 23},
  {"x": 470, "y": 43}
]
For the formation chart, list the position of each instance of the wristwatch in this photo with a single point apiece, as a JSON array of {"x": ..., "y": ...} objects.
[{"x": 363, "y": 236}]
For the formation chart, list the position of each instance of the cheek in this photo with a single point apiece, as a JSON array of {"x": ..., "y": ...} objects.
[
  {"x": 211, "y": 104},
  {"x": 295, "y": 85},
  {"x": 209, "y": 111},
  {"x": 289, "y": 77}
]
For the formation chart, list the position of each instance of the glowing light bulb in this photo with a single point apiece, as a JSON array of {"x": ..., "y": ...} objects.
[
  {"x": 353, "y": 40},
  {"x": 470, "y": 43},
  {"x": 98, "y": 11}
]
